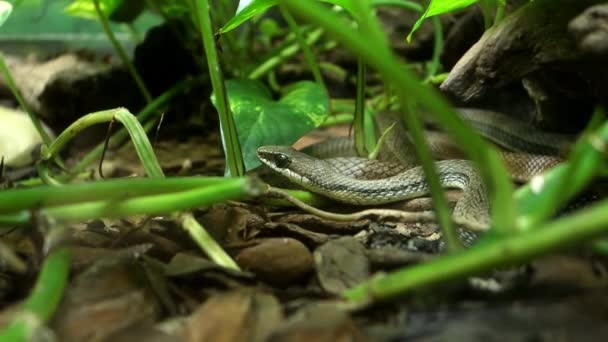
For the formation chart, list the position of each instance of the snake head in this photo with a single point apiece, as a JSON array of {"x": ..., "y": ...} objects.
[
  {"x": 287, "y": 161},
  {"x": 298, "y": 167},
  {"x": 277, "y": 158}
]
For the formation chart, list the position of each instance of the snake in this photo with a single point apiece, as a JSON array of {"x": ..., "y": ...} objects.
[{"x": 331, "y": 169}]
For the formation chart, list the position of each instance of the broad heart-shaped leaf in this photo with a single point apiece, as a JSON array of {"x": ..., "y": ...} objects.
[
  {"x": 440, "y": 7},
  {"x": 5, "y": 11},
  {"x": 261, "y": 120},
  {"x": 256, "y": 7}
]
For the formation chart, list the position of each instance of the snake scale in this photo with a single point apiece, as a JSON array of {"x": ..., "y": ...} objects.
[{"x": 395, "y": 176}]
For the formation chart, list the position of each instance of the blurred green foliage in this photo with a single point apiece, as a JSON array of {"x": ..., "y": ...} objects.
[{"x": 45, "y": 25}]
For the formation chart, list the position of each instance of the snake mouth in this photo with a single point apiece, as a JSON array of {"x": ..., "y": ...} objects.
[
  {"x": 262, "y": 153},
  {"x": 277, "y": 157}
]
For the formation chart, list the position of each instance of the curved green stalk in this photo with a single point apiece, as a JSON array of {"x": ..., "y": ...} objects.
[
  {"x": 423, "y": 152},
  {"x": 140, "y": 141},
  {"x": 230, "y": 138},
  {"x": 73, "y": 129},
  {"x": 44, "y": 299},
  {"x": 500, "y": 11},
  {"x": 136, "y": 132},
  {"x": 45, "y": 175},
  {"x": 121, "y": 52}
]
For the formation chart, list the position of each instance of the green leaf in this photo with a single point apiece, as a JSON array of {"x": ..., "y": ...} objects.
[
  {"x": 121, "y": 11},
  {"x": 5, "y": 11},
  {"x": 260, "y": 120},
  {"x": 86, "y": 8},
  {"x": 440, "y": 7},
  {"x": 260, "y": 6},
  {"x": 254, "y": 8},
  {"x": 140, "y": 141}
]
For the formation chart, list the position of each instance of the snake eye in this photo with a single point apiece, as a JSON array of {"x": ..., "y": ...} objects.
[{"x": 281, "y": 161}]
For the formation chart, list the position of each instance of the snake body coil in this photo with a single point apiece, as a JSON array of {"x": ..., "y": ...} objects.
[
  {"x": 363, "y": 181},
  {"x": 355, "y": 184}
]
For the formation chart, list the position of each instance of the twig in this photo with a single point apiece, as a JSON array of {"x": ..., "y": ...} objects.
[{"x": 405, "y": 216}]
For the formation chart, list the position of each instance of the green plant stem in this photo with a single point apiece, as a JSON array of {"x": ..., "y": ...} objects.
[
  {"x": 44, "y": 172},
  {"x": 379, "y": 56},
  {"x": 486, "y": 9},
  {"x": 500, "y": 11},
  {"x": 140, "y": 142},
  {"x": 359, "y": 115},
  {"x": 43, "y": 300},
  {"x": 10, "y": 82},
  {"x": 437, "y": 79},
  {"x": 371, "y": 29},
  {"x": 15, "y": 219},
  {"x": 121, "y": 52},
  {"x": 563, "y": 233},
  {"x": 423, "y": 153},
  {"x": 120, "y": 198},
  {"x": 12, "y": 200},
  {"x": 77, "y": 126},
  {"x": 232, "y": 146},
  {"x": 308, "y": 55},
  {"x": 306, "y": 197},
  {"x": 283, "y": 55},
  {"x": 230, "y": 189},
  {"x": 271, "y": 78},
  {"x": 367, "y": 21},
  {"x": 200, "y": 235},
  {"x": 36, "y": 181},
  {"x": 337, "y": 119},
  {"x": 336, "y": 70}
]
